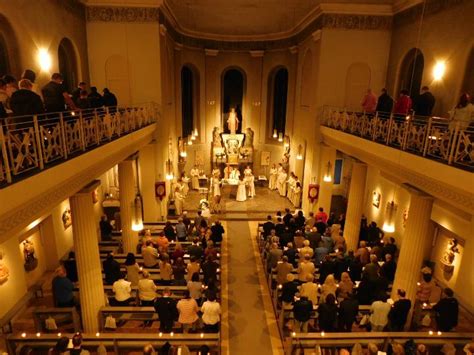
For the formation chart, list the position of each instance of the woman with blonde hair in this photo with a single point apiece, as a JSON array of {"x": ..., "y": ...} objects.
[
  {"x": 328, "y": 287},
  {"x": 345, "y": 285}
]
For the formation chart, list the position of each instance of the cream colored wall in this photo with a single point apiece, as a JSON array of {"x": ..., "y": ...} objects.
[
  {"x": 34, "y": 31},
  {"x": 447, "y": 36},
  {"x": 36, "y": 238},
  {"x": 138, "y": 44},
  {"x": 63, "y": 237}
]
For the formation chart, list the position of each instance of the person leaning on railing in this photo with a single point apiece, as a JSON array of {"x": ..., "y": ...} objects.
[
  {"x": 463, "y": 113},
  {"x": 25, "y": 102},
  {"x": 55, "y": 95}
]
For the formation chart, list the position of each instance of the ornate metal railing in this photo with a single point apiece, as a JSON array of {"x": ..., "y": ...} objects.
[
  {"x": 441, "y": 139},
  {"x": 30, "y": 144}
]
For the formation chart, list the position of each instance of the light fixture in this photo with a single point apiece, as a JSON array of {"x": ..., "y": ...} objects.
[
  {"x": 137, "y": 224},
  {"x": 389, "y": 224},
  {"x": 438, "y": 70},
  {"x": 280, "y": 137},
  {"x": 44, "y": 59},
  {"x": 182, "y": 148},
  {"x": 275, "y": 134},
  {"x": 190, "y": 140},
  {"x": 327, "y": 176},
  {"x": 286, "y": 140},
  {"x": 195, "y": 133},
  {"x": 169, "y": 170},
  {"x": 299, "y": 154}
]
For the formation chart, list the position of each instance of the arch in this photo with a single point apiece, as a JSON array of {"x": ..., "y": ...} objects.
[
  {"x": 411, "y": 72},
  {"x": 9, "y": 53},
  {"x": 277, "y": 99},
  {"x": 468, "y": 81},
  {"x": 116, "y": 76},
  {"x": 357, "y": 82},
  {"x": 67, "y": 62},
  {"x": 306, "y": 79},
  {"x": 233, "y": 91},
  {"x": 189, "y": 99}
]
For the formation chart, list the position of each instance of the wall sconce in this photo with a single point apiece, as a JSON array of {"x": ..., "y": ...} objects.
[
  {"x": 190, "y": 140},
  {"x": 137, "y": 224},
  {"x": 299, "y": 154},
  {"x": 44, "y": 59},
  {"x": 438, "y": 70},
  {"x": 287, "y": 142},
  {"x": 169, "y": 170},
  {"x": 389, "y": 224},
  {"x": 327, "y": 176},
  {"x": 195, "y": 132},
  {"x": 275, "y": 134},
  {"x": 280, "y": 137},
  {"x": 182, "y": 148}
]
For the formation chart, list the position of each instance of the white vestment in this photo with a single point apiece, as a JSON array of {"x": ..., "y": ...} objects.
[
  {"x": 216, "y": 188},
  {"x": 241, "y": 192},
  {"x": 251, "y": 185},
  {"x": 232, "y": 122},
  {"x": 272, "y": 182},
  {"x": 194, "y": 178},
  {"x": 178, "y": 201},
  {"x": 281, "y": 183}
]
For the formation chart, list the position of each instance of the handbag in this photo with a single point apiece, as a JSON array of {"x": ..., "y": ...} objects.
[
  {"x": 50, "y": 323},
  {"x": 426, "y": 321},
  {"x": 110, "y": 323}
]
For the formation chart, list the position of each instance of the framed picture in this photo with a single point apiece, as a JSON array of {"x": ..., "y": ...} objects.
[
  {"x": 67, "y": 221},
  {"x": 376, "y": 199},
  {"x": 265, "y": 158}
]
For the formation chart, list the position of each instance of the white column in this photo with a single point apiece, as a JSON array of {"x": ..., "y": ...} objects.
[
  {"x": 328, "y": 155},
  {"x": 355, "y": 205},
  {"x": 147, "y": 183},
  {"x": 415, "y": 240},
  {"x": 127, "y": 198},
  {"x": 87, "y": 257}
]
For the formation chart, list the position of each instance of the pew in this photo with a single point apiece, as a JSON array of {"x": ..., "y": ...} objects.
[{"x": 63, "y": 315}]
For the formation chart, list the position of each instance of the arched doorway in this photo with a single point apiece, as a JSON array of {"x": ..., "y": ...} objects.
[
  {"x": 67, "y": 63},
  {"x": 4, "y": 62},
  {"x": 9, "y": 54},
  {"x": 233, "y": 83},
  {"x": 411, "y": 72},
  {"x": 189, "y": 99},
  {"x": 277, "y": 99}
]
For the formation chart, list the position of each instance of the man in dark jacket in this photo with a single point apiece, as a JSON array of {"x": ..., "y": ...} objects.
[
  {"x": 424, "y": 103},
  {"x": 167, "y": 312},
  {"x": 111, "y": 269},
  {"x": 24, "y": 101},
  {"x": 302, "y": 309},
  {"x": 348, "y": 310},
  {"x": 447, "y": 311},
  {"x": 96, "y": 100},
  {"x": 267, "y": 227},
  {"x": 109, "y": 98},
  {"x": 195, "y": 250},
  {"x": 389, "y": 268},
  {"x": 398, "y": 314},
  {"x": 217, "y": 232},
  {"x": 55, "y": 95},
  {"x": 289, "y": 289},
  {"x": 76, "y": 93},
  {"x": 384, "y": 104},
  {"x": 209, "y": 269}
]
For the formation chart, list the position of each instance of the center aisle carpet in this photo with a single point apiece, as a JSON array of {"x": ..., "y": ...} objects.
[{"x": 248, "y": 333}]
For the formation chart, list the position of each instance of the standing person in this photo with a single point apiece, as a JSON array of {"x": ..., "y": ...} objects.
[
  {"x": 241, "y": 193},
  {"x": 302, "y": 309},
  {"x": 4, "y": 99},
  {"x": 369, "y": 102},
  {"x": 166, "y": 270},
  {"x": 423, "y": 104},
  {"x": 82, "y": 101},
  {"x": 447, "y": 311},
  {"x": 384, "y": 104},
  {"x": 71, "y": 267},
  {"x": 11, "y": 84},
  {"x": 389, "y": 268},
  {"x": 328, "y": 314},
  {"x": 178, "y": 201},
  {"x": 211, "y": 311},
  {"x": 165, "y": 306},
  {"x": 95, "y": 98},
  {"x": 24, "y": 101},
  {"x": 398, "y": 314},
  {"x": 188, "y": 312},
  {"x": 379, "y": 317},
  {"x": 321, "y": 216},
  {"x": 62, "y": 288},
  {"x": 109, "y": 99},
  {"x": 133, "y": 269},
  {"x": 194, "y": 178},
  {"x": 55, "y": 95},
  {"x": 76, "y": 93},
  {"x": 105, "y": 228},
  {"x": 403, "y": 105},
  {"x": 348, "y": 310},
  {"x": 146, "y": 290},
  {"x": 31, "y": 76},
  {"x": 462, "y": 113},
  {"x": 111, "y": 269},
  {"x": 150, "y": 255},
  {"x": 281, "y": 182},
  {"x": 272, "y": 182}
]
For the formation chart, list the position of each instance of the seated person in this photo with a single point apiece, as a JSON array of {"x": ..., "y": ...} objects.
[
  {"x": 62, "y": 289},
  {"x": 123, "y": 293}
]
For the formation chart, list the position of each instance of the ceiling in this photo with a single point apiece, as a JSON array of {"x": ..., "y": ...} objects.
[{"x": 249, "y": 17}]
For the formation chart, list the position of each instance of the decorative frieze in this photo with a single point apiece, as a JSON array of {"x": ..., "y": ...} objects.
[{"x": 122, "y": 14}]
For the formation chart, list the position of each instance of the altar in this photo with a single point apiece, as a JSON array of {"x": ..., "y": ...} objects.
[
  {"x": 229, "y": 188},
  {"x": 234, "y": 149}
]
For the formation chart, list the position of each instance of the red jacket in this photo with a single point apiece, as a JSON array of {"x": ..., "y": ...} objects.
[{"x": 403, "y": 105}]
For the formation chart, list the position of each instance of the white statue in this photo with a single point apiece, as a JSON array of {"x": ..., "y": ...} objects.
[{"x": 232, "y": 121}]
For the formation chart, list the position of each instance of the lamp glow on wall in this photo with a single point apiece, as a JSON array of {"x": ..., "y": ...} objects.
[
  {"x": 190, "y": 139},
  {"x": 286, "y": 143},
  {"x": 275, "y": 134},
  {"x": 280, "y": 137},
  {"x": 299, "y": 154},
  {"x": 389, "y": 223},
  {"x": 328, "y": 176},
  {"x": 439, "y": 70},
  {"x": 169, "y": 163},
  {"x": 137, "y": 224},
  {"x": 195, "y": 133},
  {"x": 44, "y": 59}
]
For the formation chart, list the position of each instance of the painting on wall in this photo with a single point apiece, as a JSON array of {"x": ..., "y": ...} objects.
[
  {"x": 95, "y": 196},
  {"x": 4, "y": 272},
  {"x": 67, "y": 220},
  {"x": 449, "y": 255},
  {"x": 376, "y": 197},
  {"x": 31, "y": 262},
  {"x": 265, "y": 158}
]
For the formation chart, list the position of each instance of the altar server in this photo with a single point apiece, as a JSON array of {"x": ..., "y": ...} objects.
[
  {"x": 272, "y": 182},
  {"x": 194, "y": 178},
  {"x": 241, "y": 191},
  {"x": 281, "y": 182}
]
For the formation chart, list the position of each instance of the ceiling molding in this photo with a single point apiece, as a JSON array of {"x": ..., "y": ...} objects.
[{"x": 412, "y": 14}]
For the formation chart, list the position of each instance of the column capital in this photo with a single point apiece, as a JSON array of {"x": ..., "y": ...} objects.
[{"x": 89, "y": 187}]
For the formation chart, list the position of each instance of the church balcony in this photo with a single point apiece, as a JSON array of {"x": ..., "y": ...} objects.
[
  {"x": 440, "y": 139},
  {"x": 31, "y": 144}
]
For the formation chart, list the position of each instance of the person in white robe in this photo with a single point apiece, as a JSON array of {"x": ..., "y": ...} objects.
[
  {"x": 185, "y": 181},
  {"x": 281, "y": 182},
  {"x": 216, "y": 186},
  {"x": 194, "y": 178},
  {"x": 241, "y": 191},
  {"x": 247, "y": 171},
  {"x": 178, "y": 201},
  {"x": 297, "y": 195},
  {"x": 272, "y": 182},
  {"x": 291, "y": 186},
  {"x": 235, "y": 174},
  {"x": 251, "y": 185}
]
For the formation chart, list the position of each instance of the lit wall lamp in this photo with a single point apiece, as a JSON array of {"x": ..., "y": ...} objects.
[
  {"x": 286, "y": 140},
  {"x": 44, "y": 59},
  {"x": 299, "y": 154},
  {"x": 280, "y": 137},
  {"x": 137, "y": 224},
  {"x": 195, "y": 133},
  {"x": 438, "y": 70},
  {"x": 389, "y": 223},
  {"x": 182, "y": 148},
  {"x": 169, "y": 163},
  {"x": 327, "y": 176},
  {"x": 275, "y": 134},
  {"x": 190, "y": 140}
]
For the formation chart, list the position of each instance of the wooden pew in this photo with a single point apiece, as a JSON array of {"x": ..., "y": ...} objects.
[
  {"x": 60, "y": 315},
  {"x": 115, "y": 343}
]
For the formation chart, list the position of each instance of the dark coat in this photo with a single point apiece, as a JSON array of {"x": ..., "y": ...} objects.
[
  {"x": 302, "y": 309},
  {"x": 399, "y": 313},
  {"x": 25, "y": 102},
  {"x": 447, "y": 312},
  {"x": 166, "y": 309},
  {"x": 111, "y": 270},
  {"x": 423, "y": 104},
  {"x": 384, "y": 103},
  {"x": 348, "y": 309},
  {"x": 327, "y": 317}
]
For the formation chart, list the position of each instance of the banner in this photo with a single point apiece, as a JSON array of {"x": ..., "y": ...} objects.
[
  {"x": 313, "y": 192},
  {"x": 160, "y": 189}
]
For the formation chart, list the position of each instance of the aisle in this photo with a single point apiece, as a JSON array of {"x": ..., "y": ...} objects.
[{"x": 252, "y": 324}]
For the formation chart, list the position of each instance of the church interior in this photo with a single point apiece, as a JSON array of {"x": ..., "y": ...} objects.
[{"x": 232, "y": 177}]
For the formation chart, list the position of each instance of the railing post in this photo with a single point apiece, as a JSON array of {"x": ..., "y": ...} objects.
[
  {"x": 5, "y": 155},
  {"x": 97, "y": 133},
  {"x": 38, "y": 142},
  {"x": 405, "y": 133},
  {"x": 82, "y": 131},
  {"x": 428, "y": 136},
  {"x": 63, "y": 134},
  {"x": 389, "y": 129},
  {"x": 454, "y": 144}
]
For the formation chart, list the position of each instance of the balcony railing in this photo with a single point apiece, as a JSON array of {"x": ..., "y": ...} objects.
[
  {"x": 30, "y": 144},
  {"x": 440, "y": 139}
]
